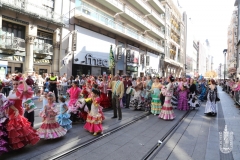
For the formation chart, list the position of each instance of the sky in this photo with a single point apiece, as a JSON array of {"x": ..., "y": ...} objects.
[{"x": 210, "y": 19}]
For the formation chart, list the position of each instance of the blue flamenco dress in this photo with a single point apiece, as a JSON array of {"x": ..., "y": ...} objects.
[{"x": 64, "y": 118}]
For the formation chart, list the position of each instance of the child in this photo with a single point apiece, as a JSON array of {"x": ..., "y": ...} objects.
[
  {"x": 29, "y": 110},
  {"x": 43, "y": 99},
  {"x": 94, "y": 118},
  {"x": 50, "y": 128},
  {"x": 64, "y": 118}
]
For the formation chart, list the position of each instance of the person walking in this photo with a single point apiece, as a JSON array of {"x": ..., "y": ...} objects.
[
  {"x": 117, "y": 87},
  {"x": 212, "y": 98},
  {"x": 53, "y": 85}
]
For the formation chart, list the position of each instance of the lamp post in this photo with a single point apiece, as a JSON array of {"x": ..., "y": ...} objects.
[
  {"x": 162, "y": 64},
  {"x": 220, "y": 70},
  {"x": 224, "y": 73}
]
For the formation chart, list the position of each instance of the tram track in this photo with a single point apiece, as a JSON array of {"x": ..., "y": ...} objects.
[
  {"x": 95, "y": 139},
  {"x": 160, "y": 143}
]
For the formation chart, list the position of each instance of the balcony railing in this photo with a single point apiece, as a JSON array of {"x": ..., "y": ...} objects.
[
  {"x": 94, "y": 15},
  {"x": 42, "y": 48},
  {"x": 31, "y": 9},
  {"x": 116, "y": 3},
  {"x": 143, "y": 22},
  {"x": 9, "y": 42}
]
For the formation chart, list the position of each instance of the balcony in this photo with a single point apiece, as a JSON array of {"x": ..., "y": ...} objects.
[
  {"x": 33, "y": 10},
  {"x": 157, "y": 5},
  {"x": 130, "y": 15},
  {"x": 42, "y": 48},
  {"x": 154, "y": 16},
  {"x": 94, "y": 17},
  {"x": 10, "y": 44},
  {"x": 115, "y": 5},
  {"x": 175, "y": 29}
]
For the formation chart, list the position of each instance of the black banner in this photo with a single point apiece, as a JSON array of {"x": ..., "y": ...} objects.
[
  {"x": 128, "y": 56},
  {"x": 142, "y": 59},
  {"x": 119, "y": 53}
]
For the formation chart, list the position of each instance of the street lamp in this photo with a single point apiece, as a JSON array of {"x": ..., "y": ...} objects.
[
  {"x": 224, "y": 52},
  {"x": 162, "y": 64},
  {"x": 220, "y": 70}
]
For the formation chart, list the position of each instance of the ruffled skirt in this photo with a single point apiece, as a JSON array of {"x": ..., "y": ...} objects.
[
  {"x": 167, "y": 110},
  {"x": 156, "y": 104},
  {"x": 20, "y": 132},
  {"x": 64, "y": 121},
  {"x": 104, "y": 100},
  {"x": 50, "y": 129},
  {"x": 3, "y": 136},
  {"x": 94, "y": 123}
]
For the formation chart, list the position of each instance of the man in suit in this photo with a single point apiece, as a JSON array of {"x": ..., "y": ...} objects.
[{"x": 117, "y": 87}]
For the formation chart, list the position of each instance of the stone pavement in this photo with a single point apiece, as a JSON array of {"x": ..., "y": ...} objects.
[
  {"x": 75, "y": 136},
  {"x": 198, "y": 136},
  {"x": 130, "y": 143}
]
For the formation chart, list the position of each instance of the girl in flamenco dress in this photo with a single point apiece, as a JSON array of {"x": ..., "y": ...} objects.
[
  {"x": 19, "y": 130},
  {"x": 50, "y": 128},
  {"x": 3, "y": 120},
  {"x": 94, "y": 118},
  {"x": 64, "y": 118},
  {"x": 74, "y": 93}
]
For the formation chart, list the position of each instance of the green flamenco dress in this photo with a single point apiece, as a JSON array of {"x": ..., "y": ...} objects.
[{"x": 156, "y": 104}]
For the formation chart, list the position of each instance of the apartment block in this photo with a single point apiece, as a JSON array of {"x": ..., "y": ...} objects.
[
  {"x": 30, "y": 36},
  {"x": 135, "y": 29},
  {"x": 232, "y": 46}
]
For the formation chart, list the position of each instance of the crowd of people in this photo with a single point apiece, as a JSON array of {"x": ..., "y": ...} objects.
[{"x": 87, "y": 96}]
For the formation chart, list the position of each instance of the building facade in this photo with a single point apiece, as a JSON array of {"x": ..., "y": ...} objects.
[
  {"x": 237, "y": 4},
  {"x": 136, "y": 30},
  {"x": 232, "y": 46},
  {"x": 175, "y": 40},
  {"x": 30, "y": 36},
  {"x": 202, "y": 52}
]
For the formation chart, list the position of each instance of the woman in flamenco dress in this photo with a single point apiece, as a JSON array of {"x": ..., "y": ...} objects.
[
  {"x": 105, "y": 103},
  {"x": 167, "y": 109},
  {"x": 3, "y": 120},
  {"x": 19, "y": 130}
]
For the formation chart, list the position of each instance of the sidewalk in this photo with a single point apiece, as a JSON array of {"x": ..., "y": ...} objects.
[{"x": 198, "y": 136}]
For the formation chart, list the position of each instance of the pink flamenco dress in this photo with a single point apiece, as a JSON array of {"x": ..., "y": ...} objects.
[
  {"x": 50, "y": 128},
  {"x": 94, "y": 118},
  {"x": 3, "y": 121},
  {"x": 167, "y": 112},
  {"x": 74, "y": 94},
  {"x": 19, "y": 130}
]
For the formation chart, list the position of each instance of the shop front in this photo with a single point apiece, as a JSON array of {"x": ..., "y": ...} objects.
[
  {"x": 15, "y": 63},
  {"x": 92, "y": 53},
  {"x": 152, "y": 64},
  {"x": 42, "y": 66},
  {"x": 132, "y": 61}
]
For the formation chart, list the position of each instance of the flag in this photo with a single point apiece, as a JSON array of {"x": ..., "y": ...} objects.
[{"x": 111, "y": 59}]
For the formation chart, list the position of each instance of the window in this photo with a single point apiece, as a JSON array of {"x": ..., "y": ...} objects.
[
  {"x": 45, "y": 37},
  {"x": 147, "y": 60},
  {"x": 12, "y": 29}
]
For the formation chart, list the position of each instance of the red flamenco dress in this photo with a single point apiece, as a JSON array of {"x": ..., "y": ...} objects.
[
  {"x": 19, "y": 130},
  {"x": 104, "y": 100},
  {"x": 94, "y": 118}
]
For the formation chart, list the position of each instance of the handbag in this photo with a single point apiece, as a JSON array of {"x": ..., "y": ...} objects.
[{"x": 217, "y": 99}]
